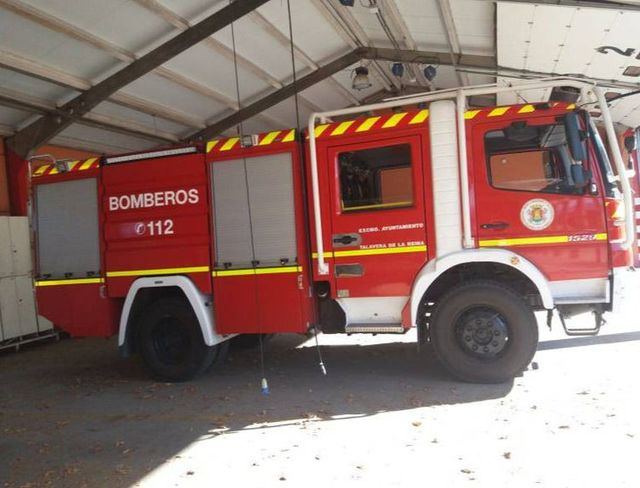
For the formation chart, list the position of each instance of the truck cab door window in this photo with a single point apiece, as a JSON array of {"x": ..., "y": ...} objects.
[
  {"x": 376, "y": 179},
  {"x": 537, "y": 160}
]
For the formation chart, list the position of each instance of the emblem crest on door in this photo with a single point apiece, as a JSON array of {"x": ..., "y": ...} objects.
[{"x": 537, "y": 214}]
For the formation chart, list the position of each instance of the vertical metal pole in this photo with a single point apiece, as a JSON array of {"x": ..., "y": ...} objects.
[
  {"x": 614, "y": 147},
  {"x": 467, "y": 237}
]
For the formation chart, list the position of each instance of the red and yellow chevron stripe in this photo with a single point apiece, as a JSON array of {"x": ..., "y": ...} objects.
[
  {"x": 264, "y": 139},
  {"x": 416, "y": 117},
  {"x": 73, "y": 166}
]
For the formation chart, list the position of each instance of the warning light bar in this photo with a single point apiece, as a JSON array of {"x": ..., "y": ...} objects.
[{"x": 151, "y": 154}]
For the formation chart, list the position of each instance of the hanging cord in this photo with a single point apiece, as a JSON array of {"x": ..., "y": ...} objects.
[
  {"x": 239, "y": 128},
  {"x": 264, "y": 384},
  {"x": 297, "y": 105}
]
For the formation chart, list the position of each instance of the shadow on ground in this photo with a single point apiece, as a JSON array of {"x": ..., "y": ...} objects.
[{"x": 73, "y": 413}]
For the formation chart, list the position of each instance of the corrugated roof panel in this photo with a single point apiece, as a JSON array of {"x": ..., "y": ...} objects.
[
  {"x": 475, "y": 26},
  {"x": 159, "y": 90},
  {"x": 24, "y": 37},
  {"x": 12, "y": 117},
  {"x": 32, "y": 86},
  {"x": 125, "y": 24},
  {"x": 311, "y": 32}
]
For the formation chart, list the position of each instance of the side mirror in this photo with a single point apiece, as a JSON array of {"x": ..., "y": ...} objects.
[
  {"x": 630, "y": 143},
  {"x": 574, "y": 136}
]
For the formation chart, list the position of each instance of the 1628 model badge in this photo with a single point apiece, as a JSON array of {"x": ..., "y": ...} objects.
[{"x": 537, "y": 214}]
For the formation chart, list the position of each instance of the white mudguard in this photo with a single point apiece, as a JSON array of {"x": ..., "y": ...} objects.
[
  {"x": 434, "y": 268},
  {"x": 200, "y": 303}
]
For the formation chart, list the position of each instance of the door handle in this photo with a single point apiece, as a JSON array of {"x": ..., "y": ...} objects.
[
  {"x": 346, "y": 239},
  {"x": 495, "y": 226}
]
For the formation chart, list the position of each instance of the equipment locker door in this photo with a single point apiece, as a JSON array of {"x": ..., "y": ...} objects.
[
  {"x": 257, "y": 278},
  {"x": 378, "y": 216},
  {"x": 526, "y": 201}
]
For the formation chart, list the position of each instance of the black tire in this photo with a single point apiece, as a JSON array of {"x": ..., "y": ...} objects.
[
  {"x": 171, "y": 341},
  {"x": 483, "y": 332}
]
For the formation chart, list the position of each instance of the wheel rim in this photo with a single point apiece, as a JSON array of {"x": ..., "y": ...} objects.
[
  {"x": 170, "y": 340},
  {"x": 482, "y": 332}
]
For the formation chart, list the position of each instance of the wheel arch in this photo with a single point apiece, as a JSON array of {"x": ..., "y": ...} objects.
[
  {"x": 435, "y": 272},
  {"x": 145, "y": 290}
]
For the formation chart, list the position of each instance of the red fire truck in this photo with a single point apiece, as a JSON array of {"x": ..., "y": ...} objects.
[{"x": 422, "y": 214}]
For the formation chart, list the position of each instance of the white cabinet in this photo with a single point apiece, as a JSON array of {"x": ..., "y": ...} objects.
[
  {"x": 15, "y": 247},
  {"x": 18, "y": 316},
  {"x": 17, "y": 307}
]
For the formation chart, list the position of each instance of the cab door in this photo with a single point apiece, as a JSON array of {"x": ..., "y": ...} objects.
[
  {"x": 527, "y": 201},
  {"x": 377, "y": 217}
]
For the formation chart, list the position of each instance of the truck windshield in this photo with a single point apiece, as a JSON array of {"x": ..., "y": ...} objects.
[{"x": 603, "y": 160}]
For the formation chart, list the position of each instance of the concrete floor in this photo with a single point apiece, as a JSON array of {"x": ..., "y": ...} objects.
[{"x": 73, "y": 414}]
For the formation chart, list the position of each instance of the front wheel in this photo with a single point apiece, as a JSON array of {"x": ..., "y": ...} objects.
[
  {"x": 483, "y": 332},
  {"x": 171, "y": 341}
]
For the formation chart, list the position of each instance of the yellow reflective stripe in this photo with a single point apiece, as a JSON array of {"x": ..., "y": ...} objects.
[
  {"x": 496, "y": 112},
  {"x": 229, "y": 144},
  {"x": 257, "y": 271},
  {"x": 420, "y": 117},
  {"x": 527, "y": 109},
  {"x": 382, "y": 250},
  {"x": 75, "y": 281},
  {"x": 72, "y": 164},
  {"x": 469, "y": 114},
  {"x": 379, "y": 205},
  {"x": 41, "y": 170},
  {"x": 87, "y": 164},
  {"x": 212, "y": 144},
  {"x": 159, "y": 271},
  {"x": 528, "y": 241},
  {"x": 283, "y": 269},
  {"x": 291, "y": 135},
  {"x": 268, "y": 139},
  {"x": 394, "y": 120},
  {"x": 326, "y": 254},
  {"x": 371, "y": 252},
  {"x": 233, "y": 272},
  {"x": 54, "y": 171},
  {"x": 342, "y": 128},
  {"x": 320, "y": 129},
  {"x": 367, "y": 124}
]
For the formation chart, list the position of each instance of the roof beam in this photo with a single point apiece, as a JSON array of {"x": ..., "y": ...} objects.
[
  {"x": 182, "y": 24},
  {"x": 390, "y": 15},
  {"x": 448, "y": 22},
  {"x": 404, "y": 56},
  {"x": 344, "y": 24},
  {"x": 45, "y": 128},
  {"x": 56, "y": 24}
]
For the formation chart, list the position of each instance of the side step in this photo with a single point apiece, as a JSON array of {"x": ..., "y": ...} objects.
[{"x": 374, "y": 329}]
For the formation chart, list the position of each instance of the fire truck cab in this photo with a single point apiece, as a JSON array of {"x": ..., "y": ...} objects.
[{"x": 422, "y": 214}]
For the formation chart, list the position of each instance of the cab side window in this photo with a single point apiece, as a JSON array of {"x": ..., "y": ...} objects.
[
  {"x": 376, "y": 179},
  {"x": 530, "y": 158}
]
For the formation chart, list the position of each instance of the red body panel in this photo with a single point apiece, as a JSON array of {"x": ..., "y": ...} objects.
[
  {"x": 581, "y": 217},
  {"x": 168, "y": 233},
  {"x": 80, "y": 310}
]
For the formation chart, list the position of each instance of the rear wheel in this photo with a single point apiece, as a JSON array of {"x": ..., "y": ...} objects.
[
  {"x": 483, "y": 332},
  {"x": 171, "y": 341}
]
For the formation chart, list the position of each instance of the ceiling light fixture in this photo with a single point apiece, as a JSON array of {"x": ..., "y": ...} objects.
[{"x": 361, "y": 79}]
